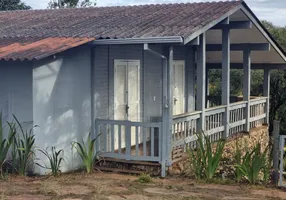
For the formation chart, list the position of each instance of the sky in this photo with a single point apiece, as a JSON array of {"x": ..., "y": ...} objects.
[{"x": 271, "y": 10}]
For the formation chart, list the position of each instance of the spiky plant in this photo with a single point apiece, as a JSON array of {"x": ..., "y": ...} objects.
[
  {"x": 5, "y": 144},
  {"x": 205, "y": 160},
  {"x": 253, "y": 163},
  {"x": 23, "y": 147},
  {"x": 87, "y": 153},
  {"x": 55, "y": 160}
]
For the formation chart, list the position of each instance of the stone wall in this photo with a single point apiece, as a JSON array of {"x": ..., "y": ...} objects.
[{"x": 246, "y": 141}]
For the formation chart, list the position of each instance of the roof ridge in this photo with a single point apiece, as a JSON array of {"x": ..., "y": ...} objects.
[{"x": 125, "y": 6}]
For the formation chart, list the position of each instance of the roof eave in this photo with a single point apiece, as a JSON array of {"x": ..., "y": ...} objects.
[{"x": 148, "y": 40}]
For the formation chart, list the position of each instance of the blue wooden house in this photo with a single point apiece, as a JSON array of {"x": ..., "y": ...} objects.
[{"x": 137, "y": 76}]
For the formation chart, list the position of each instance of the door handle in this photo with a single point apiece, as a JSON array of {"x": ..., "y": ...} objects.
[
  {"x": 126, "y": 109},
  {"x": 175, "y": 100}
]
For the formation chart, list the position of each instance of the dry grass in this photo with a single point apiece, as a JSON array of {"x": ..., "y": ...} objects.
[{"x": 102, "y": 186}]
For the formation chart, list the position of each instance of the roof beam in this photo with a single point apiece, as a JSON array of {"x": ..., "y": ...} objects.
[
  {"x": 241, "y": 47},
  {"x": 253, "y": 66},
  {"x": 234, "y": 25}
]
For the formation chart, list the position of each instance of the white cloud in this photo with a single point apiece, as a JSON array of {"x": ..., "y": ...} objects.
[{"x": 271, "y": 10}]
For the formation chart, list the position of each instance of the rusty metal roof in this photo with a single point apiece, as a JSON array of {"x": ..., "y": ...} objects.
[
  {"x": 37, "y": 48},
  {"x": 30, "y": 28}
]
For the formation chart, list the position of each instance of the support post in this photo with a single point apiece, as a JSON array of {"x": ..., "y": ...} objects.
[
  {"x": 246, "y": 86},
  {"x": 225, "y": 78},
  {"x": 266, "y": 92},
  {"x": 170, "y": 103},
  {"x": 207, "y": 88},
  {"x": 165, "y": 119},
  {"x": 201, "y": 80},
  {"x": 167, "y": 111}
]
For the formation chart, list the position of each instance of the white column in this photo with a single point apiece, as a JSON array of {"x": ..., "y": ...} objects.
[
  {"x": 266, "y": 92},
  {"x": 246, "y": 86},
  {"x": 225, "y": 78},
  {"x": 201, "y": 80}
]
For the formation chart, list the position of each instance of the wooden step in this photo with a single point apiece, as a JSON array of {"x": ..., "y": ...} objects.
[
  {"x": 145, "y": 163},
  {"x": 116, "y": 170}
]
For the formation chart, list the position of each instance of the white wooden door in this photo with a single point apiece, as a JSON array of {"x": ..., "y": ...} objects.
[
  {"x": 179, "y": 87},
  {"x": 127, "y": 90}
]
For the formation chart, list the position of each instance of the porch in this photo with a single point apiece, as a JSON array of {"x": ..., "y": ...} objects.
[
  {"x": 157, "y": 90},
  {"x": 144, "y": 141}
]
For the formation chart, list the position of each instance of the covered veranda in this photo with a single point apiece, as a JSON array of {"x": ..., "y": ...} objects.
[{"x": 236, "y": 41}]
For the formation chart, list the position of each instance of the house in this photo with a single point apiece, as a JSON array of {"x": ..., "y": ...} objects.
[{"x": 136, "y": 75}]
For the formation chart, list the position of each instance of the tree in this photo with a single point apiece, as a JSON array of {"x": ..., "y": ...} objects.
[
  {"x": 13, "y": 5},
  {"x": 56, "y": 4},
  {"x": 278, "y": 80}
]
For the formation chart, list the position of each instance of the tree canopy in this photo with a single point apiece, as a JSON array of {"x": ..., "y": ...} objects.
[
  {"x": 56, "y": 4},
  {"x": 13, "y": 5}
]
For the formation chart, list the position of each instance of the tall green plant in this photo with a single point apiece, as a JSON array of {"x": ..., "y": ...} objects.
[
  {"x": 86, "y": 151},
  {"x": 23, "y": 147},
  {"x": 206, "y": 159},
  {"x": 5, "y": 144},
  {"x": 55, "y": 160},
  {"x": 253, "y": 163}
]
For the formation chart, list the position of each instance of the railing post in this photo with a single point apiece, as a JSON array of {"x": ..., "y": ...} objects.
[
  {"x": 201, "y": 80},
  {"x": 266, "y": 92},
  {"x": 226, "y": 78},
  {"x": 128, "y": 140},
  {"x": 246, "y": 86}
]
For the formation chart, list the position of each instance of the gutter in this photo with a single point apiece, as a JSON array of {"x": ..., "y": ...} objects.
[{"x": 148, "y": 40}]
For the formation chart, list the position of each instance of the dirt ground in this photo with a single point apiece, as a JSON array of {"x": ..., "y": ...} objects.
[{"x": 106, "y": 186}]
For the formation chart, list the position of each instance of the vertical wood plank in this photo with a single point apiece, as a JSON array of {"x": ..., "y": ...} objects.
[
  {"x": 104, "y": 132},
  {"x": 152, "y": 141},
  {"x": 137, "y": 140},
  {"x": 112, "y": 137},
  {"x": 119, "y": 139},
  {"x": 144, "y": 141}
]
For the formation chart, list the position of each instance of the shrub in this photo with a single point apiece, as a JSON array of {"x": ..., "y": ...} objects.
[
  {"x": 87, "y": 152},
  {"x": 253, "y": 163},
  {"x": 145, "y": 178},
  {"x": 55, "y": 160},
  {"x": 205, "y": 160}
]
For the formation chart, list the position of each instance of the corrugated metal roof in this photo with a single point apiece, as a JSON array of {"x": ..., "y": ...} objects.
[
  {"x": 38, "y": 49},
  {"x": 66, "y": 28}
]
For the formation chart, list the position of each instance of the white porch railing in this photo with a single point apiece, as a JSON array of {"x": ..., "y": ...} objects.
[
  {"x": 184, "y": 126},
  {"x": 128, "y": 140}
]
